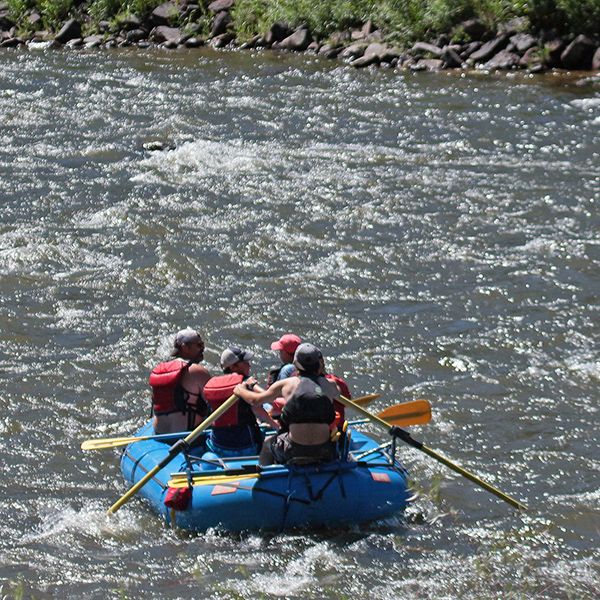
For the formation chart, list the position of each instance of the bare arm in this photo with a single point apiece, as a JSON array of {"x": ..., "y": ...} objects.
[
  {"x": 262, "y": 396},
  {"x": 264, "y": 417}
]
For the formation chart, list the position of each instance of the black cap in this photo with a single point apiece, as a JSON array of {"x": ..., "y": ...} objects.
[{"x": 308, "y": 358}]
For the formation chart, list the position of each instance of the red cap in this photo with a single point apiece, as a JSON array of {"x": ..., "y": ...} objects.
[{"x": 288, "y": 342}]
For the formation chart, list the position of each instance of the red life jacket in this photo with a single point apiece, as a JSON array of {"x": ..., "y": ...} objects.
[
  {"x": 219, "y": 389},
  {"x": 168, "y": 395},
  {"x": 340, "y": 409}
]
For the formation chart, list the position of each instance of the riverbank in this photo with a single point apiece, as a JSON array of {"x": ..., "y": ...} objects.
[{"x": 471, "y": 43}]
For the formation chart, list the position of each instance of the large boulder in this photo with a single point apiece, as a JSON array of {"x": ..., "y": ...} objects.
[
  {"x": 490, "y": 49},
  {"x": 451, "y": 57},
  {"x": 6, "y": 21},
  {"x": 596, "y": 60},
  {"x": 71, "y": 30},
  {"x": 299, "y": 41},
  {"x": 375, "y": 53},
  {"x": 504, "y": 61},
  {"x": 221, "y": 5},
  {"x": 579, "y": 54},
  {"x": 165, "y": 13},
  {"x": 163, "y": 34},
  {"x": 220, "y": 24},
  {"x": 278, "y": 32},
  {"x": 474, "y": 29},
  {"x": 421, "y": 48},
  {"x": 521, "y": 42}
]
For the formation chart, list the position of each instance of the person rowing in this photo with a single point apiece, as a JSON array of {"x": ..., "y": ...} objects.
[
  {"x": 236, "y": 432},
  {"x": 307, "y": 414}
]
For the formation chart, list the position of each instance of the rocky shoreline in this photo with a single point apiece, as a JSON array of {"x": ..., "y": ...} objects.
[{"x": 510, "y": 47}]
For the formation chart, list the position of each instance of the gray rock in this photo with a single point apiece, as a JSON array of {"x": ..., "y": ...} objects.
[
  {"x": 365, "y": 61},
  {"x": 251, "y": 43},
  {"x": 130, "y": 22},
  {"x": 6, "y": 21},
  {"x": 489, "y": 49},
  {"x": 34, "y": 19},
  {"x": 92, "y": 41},
  {"x": 220, "y": 24},
  {"x": 162, "y": 34},
  {"x": 596, "y": 60},
  {"x": 329, "y": 51},
  {"x": 521, "y": 42},
  {"x": 299, "y": 41},
  {"x": 220, "y": 5},
  {"x": 278, "y": 32},
  {"x": 193, "y": 42},
  {"x": 339, "y": 38},
  {"x": 71, "y": 30},
  {"x": 136, "y": 35},
  {"x": 504, "y": 61},
  {"x": 474, "y": 28},
  {"x": 451, "y": 58},
  {"x": 579, "y": 53},
  {"x": 163, "y": 14},
  {"x": 554, "y": 49},
  {"x": 424, "y": 48},
  {"x": 11, "y": 42},
  {"x": 428, "y": 64},
  {"x": 531, "y": 59},
  {"x": 222, "y": 40},
  {"x": 354, "y": 51}
]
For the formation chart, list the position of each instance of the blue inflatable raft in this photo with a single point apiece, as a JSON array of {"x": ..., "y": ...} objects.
[{"x": 236, "y": 494}]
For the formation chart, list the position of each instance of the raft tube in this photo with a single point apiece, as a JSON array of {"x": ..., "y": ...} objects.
[{"x": 236, "y": 494}]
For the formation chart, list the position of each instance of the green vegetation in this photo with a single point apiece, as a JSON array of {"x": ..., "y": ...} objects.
[
  {"x": 415, "y": 19},
  {"x": 400, "y": 20}
]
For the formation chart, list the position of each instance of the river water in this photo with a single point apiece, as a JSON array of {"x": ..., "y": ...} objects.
[{"x": 435, "y": 234}]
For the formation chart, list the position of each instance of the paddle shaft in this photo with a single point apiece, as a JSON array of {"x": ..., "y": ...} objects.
[
  {"x": 123, "y": 441},
  {"x": 405, "y": 437},
  {"x": 179, "y": 446}
]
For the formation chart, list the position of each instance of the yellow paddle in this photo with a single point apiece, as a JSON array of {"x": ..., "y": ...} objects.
[
  {"x": 364, "y": 400},
  {"x": 417, "y": 412},
  {"x": 405, "y": 437},
  {"x": 182, "y": 480},
  {"x": 123, "y": 441},
  {"x": 99, "y": 444},
  {"x": 179, "y": 446}
]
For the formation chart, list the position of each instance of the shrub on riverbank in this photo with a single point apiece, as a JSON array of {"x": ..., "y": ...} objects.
[{"x": 404, "y": 20}]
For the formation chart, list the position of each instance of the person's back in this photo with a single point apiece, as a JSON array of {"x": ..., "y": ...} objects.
[
  {"x": 180, "y": 406},
  {"x": 307, "y": 414}
]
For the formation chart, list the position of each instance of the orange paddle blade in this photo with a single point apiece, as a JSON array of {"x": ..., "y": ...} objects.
[{"x": 417, "y": 412}]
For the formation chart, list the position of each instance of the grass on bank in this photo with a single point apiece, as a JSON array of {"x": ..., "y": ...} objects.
[{"x": 401, "y": 20}]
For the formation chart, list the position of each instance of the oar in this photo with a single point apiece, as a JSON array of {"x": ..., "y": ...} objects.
[
  {"x": 98, "y": 444},
  {"x": 405, "y": 437},
  {"x": 123, "y": 441},
  {"x": 417, "y": 412},
  {"x": 179, "y": 446},
  {"x": 364, "y": 400}
]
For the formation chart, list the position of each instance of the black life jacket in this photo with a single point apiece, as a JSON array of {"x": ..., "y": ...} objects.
[{"x": 308, "y": 404}]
